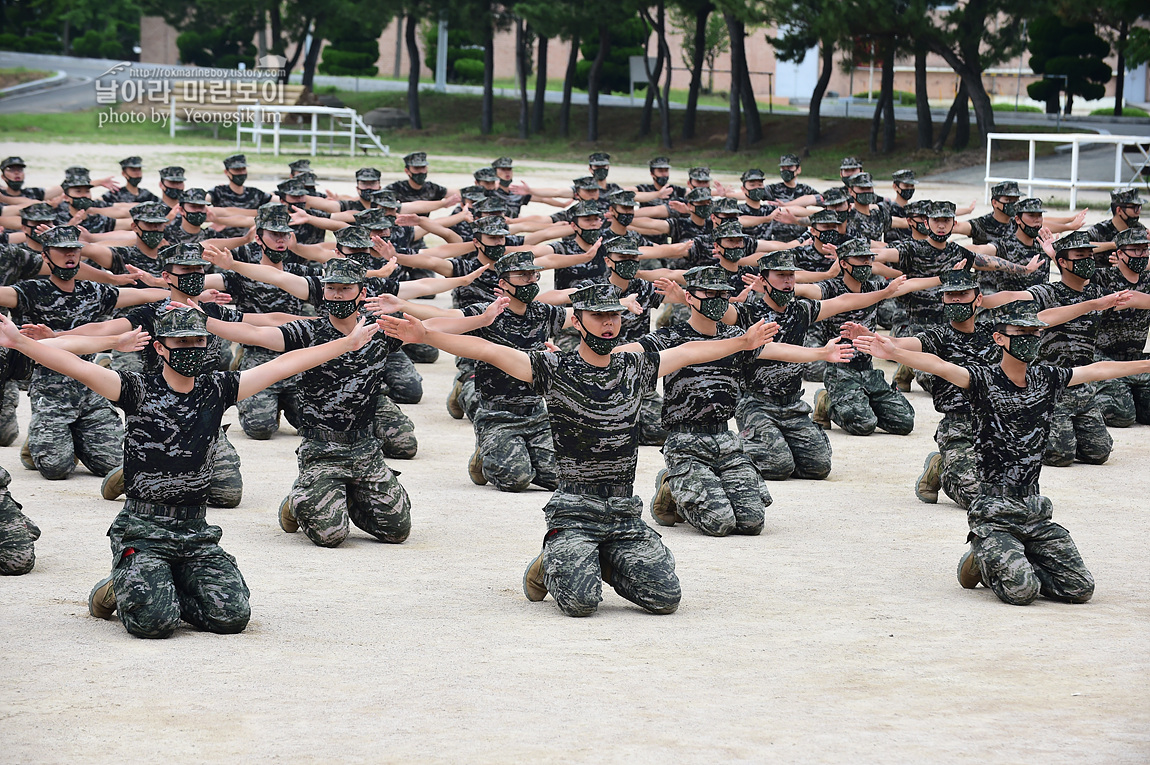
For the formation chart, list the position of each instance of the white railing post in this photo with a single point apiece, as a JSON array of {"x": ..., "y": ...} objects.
[
  {"x": 1118, "y": 162},
  {"x": 1030, "y": 171},
  {"x": 352, "y": 112},
  {"x": 258, "y": 128},
  {"x": 276, "y": 136},
  {"x": 314, "y": 126},
  {"x": 172, "y": 115},
  {"x": 1074, "y": 174},
  {"x": 986, "y": 176}
]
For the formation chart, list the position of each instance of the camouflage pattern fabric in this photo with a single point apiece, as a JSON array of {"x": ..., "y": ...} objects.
[
  {"x": 861, "y": 400},
  {"x": 1012, "y": 249},
  {"x": 715, "y": 487},
  {"x": 986, "y": 228},
  {"x": 404, "y": 383},
  {"x": 781, "y": 440},
  {"x": 651, "y": 432},
  {"x": 125, "y": 361},
  {"x": 891, "y": 314},
  {"x": 165, "y": 570},
  {"x": 9, "y": 400},
  {"x": 468, "y": 395},
  {"x": 1078, "y": 430},
  {"x": 567, "y": 339},
  {"x": 227, "y": 484},
  {"x": 17, "y": 533},
  {"x": 517, "y": 449},
  {"x": 394, "y": 429},
  {"x": 250, "y": 198},
  {"x": 872, "y": 225},
  {"x": 260, "y": 413},
  {"x": 421, "y": 353},
  {"x": 1123, "y": 401},
  {"x": 1020, "y": 560},
  {"x": 68, "y": 421},
  {"x": 955, "y": 439},
  {"x": 582, "y": 530},
  {"x": 921, "y": 259},
  {"x": 1072, "y": 343},
  {"x": 341, "y": 482}
]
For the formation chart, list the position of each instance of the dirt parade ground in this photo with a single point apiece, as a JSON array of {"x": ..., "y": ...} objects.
[{"x": 839, "y": 635}]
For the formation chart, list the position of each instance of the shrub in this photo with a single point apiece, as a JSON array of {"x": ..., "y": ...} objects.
[{"x": 469, "y": 70}]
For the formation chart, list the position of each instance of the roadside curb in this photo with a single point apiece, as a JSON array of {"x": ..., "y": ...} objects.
[{"x": 46, "y": 82}]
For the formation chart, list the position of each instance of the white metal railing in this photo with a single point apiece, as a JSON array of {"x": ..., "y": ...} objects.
[
  {"x": 1140, "y": 163},
  {"x": 268, "y": 121}
]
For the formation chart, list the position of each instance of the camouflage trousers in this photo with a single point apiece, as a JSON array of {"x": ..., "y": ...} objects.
[
  {"x": 404, "y": 384},
  {"x": 468, "y": 396},
  {"x": 260, "y": 413},
  {"x": 904, "y": 328},
  {"x": 651, "y": 431},
  {"x": 421, "y": 353},
  {"x": 890, "y": 314},
  {"x": 861, "y": 400},
  {"x": 338, "y": 483},
  {"x": 1078, "y": 430},
  {"x": 227, "y": 486},
  {"x": 588, "y": 536},
  {"x": 9, "y": 400},
  {"x": 17, "y": 534},
  {"x": 71, "y": 421},
  {"x": 394, "y": 429},
  {"x": 517, "y": 449},
  {"x": 955, "y": 441},
  {"x": 1123, "y": 401},
  {"x": 817, "y": 335},
  {"x": 1019, "y": 561},
  {"x": 127, "y": 361},
  {"x": 715, "y": 487},
  {"x": 165, "y": 570},
  {"x": 780, "y": 438}
]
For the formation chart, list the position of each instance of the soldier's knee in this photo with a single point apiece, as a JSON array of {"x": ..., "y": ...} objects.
[
  {"x": 859, "y": 426},
  {"x": 899, "y": 427},
  {"x": 750, "y": 528},
  {"x": 403, "y": 446},
  {"x": 331, "y": 535},
  {"x": 55, "y": 469},
  {"x": 18, "y": 562},
  {"x": 666, "y": 599},
  {"x": 1082, "y": 593},
  {"x": 397, "y": 533},
  {"x": 1021, "y": 592},
  {"x": 1057, "y": 458},
  {"x": 406, "y": 392},
  {"x": 230, "y": 621},
  {"x": 225, "y": 496},
  {"x": 714, "y": 525},
  {"x": 774, "y": 467},
  {"x": 1095, "y": 454},
  {"x": 577, "y": 606},
  {"x": 153, "y": 622},
  {"x": 1113, "y": 419}
]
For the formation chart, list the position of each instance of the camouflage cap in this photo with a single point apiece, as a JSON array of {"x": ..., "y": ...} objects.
[
  {"x": 917, "y": 208},
  {"x": 621, "y": 198},
  {"x": 485, "y": 174},
  {"x": 1125, "y": 197},
  {"x": 959, "y": 280},
  {"x": 374, "y": 219},
  {"x": 183, "y": 254},
  {"x": 356, "y": 237},
  {"x": 307, "y": 178},
  {"x": 502, "y": 163},
  {"x": 492, "y": 225},
  {"x": 38, "y": 212},
  {"x": 384, "y": 198},
  {"x": 65, "y": 237},
  {"x": 754, "y": 174},
  {"x": 701, "y": 174},
  {"x": 697, "y": 195},
  {"x": 274, "y": 217},
  {"x": 724, "y": 206},
  {"x": 1005, "y": 189},
  {"x": 368, "y": 174},
  {"x": 291, "y": 188},
  {"x": 707, "y": 278},
  {"x": 173, "y": 173},
  {"x": 599, "y": 159},
  {"x": 342, "y": 271},
  {"x": 850, "y": 163},
  {"x": 180, "y": 321},
  {"x": 623, "y": 245},
  {"x": 825, "y": 217},
  {"x": 729, "y": 228},
  {"x": 473, "y": 193},
  {"x": 1032, "y": 205},
  {"x": 522, "y": 260},
  {"x": 941, "y": 209},
  {"x": 1131, "y": 236},
  {"x": 194, "y": 197},
  {"x": 585, "y": 209},
  {"x": 1075, "y": 240},
  {"x": 8, "y": 162},
  {"x": 586, "y": 183},
  {"x": 660, "y": 163},
  {"x": 854, "y": 248},
  {"x": 150, "y": 212},
  {"x": 1020, "y": 313},
  {"x": 859, "y": 180},
  {"x": 789, "y": 159},
  {"x": 492, "y": 206},
  {"x": 415, "y": 159},
  {"x": 76, "y": 176},
  {"x": 834, "y": 197},
  {"x": 779, "y": 260},
  {"x": 135, "y": 162},
  {"x": 299, "y": 165},
  {"x": 235, "y": 162},
  {"x": 904, "y": 176},
  {"x": 597, "y": 298}
]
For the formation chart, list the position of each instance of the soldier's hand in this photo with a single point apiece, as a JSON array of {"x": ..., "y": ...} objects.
[
  {"x": 129, "y": 342},
  {"x": 631, "y": 304},
  {"x": 10, "y": 336},
  {"x": 298, "y": 217},
  {"x": 37, "y": 331},
  {"x": 363, "y": 332},
  {"x": 520, "y": 187},
  {"x": 837, "y": 353},
  {"x": 218, "y": 257},
  {"x": 386, "y": 270},
  {"x": 134, "y": 275},
  {"x": 666, "y": 191},
  {"x": 407, "y": 219},
  {"x": 408, "y": 329},
  {"x": 497, "y": 307},
  {"x": 852, "y": 331},
  {"x": 215, "y": 296},
  {"x": 876, "y": 345},
  {"x": 551, "y": 347},
  {"x": 670, "y": 290},
  {"x": 1034, "y": 263},
  {"x": 895, "y": 285},
  {"x": 679, "y": 207},
  {"x": 469, "y": 278},
  {"x": 383, "y": 304},
  {"x": 759, "y": 334}
]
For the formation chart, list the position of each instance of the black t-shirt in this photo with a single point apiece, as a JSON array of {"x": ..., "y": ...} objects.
[
  {"x": 809, "y": 259},
  {"x": 871, "y": 226},
  {"x": 1072, "y": 343},
  {"x": 985, "y": 229},
  {"x": 975, "y": 349},
  {"x": 18, "y": 262},
  {"x": 919, "y": 259},
  {"x": 40, "y": 301},
  {"x": 594, "y": 412},
  {"x": 528, "y": 332},
  {"x": 1122, "y": 334},
  {"x": 699, "y": 393},
  {"x": 339, "y": 394},
  {"x": 636, "y": 325},
  {"x": 250, "y": 296},
  {"x": 868, "y": 317},
  {"x": 251, "y": 198},
  {"x": 780, "y": 192},
  {"x": 1011, "y": 424},
  {"x": 514, "y": 202},
  {"x": 125, "y": 194},
  {"x": 481, "y": 290},
  {"x": 1104, "y": 231},
  {"x": 429, "y": 191},
  {"x": 768, "y": 376},
  {"x": 594, "y": 269},
  {"x": 174, "y": 233},
  {"x": 93, "y": 223},
  {"x": 132, "y": 255},
  {"x": 1010, "y": 248},
  {"x": 145, "y": 316},
  {"x": 168, "y": 437}
]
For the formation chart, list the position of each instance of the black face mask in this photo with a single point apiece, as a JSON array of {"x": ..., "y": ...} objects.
[
  {"x": 80, "y": 203},
  {"x": 625, "y": 219},
  {"x": 63, "y": 274},
  {"x": 906, "y": 194},
  {"x": 958, "y": 312},
  {"x": 505, "y": 182},
  {"x": 239, "y": 179},
  {"x": 600, "y": 346},
  {"x": 14, "y": 185},
  {"x": 173, "y": 194},
  {"x": 362, "y": 257},
  {"x": 625, "y": 269},
  {"x": 733, "y": 254},
  {"x": 1030, "y": 231},
  {"x": 491, "y": 251},
  {"x": 866, "y": 198},
  {"x": 600, "y": 173},
  {"x": 151, "y": 239},
  {"x": 861, "y": 274},
  {"x": 939, "y": 237},
  {"x": 590, "y": 235},
  {"x": 660, "y": 180},
  {"x": 756, "y": 195},
  {"x": 188, "y": 362},
  {"x": 921, "y": 228},
  {"x": 190, "y": 284},
  {"x": 713, "y": 307},
  {"x": 418, "y": 178},
  {"x": 1083, "y": 268},
  {"x": 831, "y": 237},
  {"x": 524, "y": 293},
  {"x": 196, "y": 218},
  {"x": 133, "y": 182},
  {"x": 31, "y": 232},
  {"x": 1024, "y": 347},
  {"x": 1008, "y": 208},
  {"x": 275, "y": 256},
  {"x": 781, "y": 298},
  {"x": 1131, "y": 220},
  {"x": 340, "y": 309},
  {"x": 703, "y": 211},
  {"x": 365, "y": 194},
  {"x": 787, "y": 175},
  {"x": 1137, "y": 265}
]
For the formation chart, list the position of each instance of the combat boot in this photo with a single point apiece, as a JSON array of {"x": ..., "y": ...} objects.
[
  {"x": 931, "y": 479},
  {"x": 475, "y": 468},
  {"x": 663, "y": 503},
  {"x": 113, "y": 486},
  {"x": 26, "y": 457},
  {"x": 288, "y": 520},
  {"x": 102, "y": 601},
  {"x": 968, "y": 574},
  {"x": 605, "y": 568},
  {"x": 533, "y": 585},
  {"x": 822, "y": 413},
  {"x": 454, "y": 408},
  {"x": 902, "y": 377}
]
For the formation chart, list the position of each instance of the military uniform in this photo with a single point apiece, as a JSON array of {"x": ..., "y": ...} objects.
[
  {"x": 17, "y": 532},
  {"x": 28, "y": 192},
  {"x": 1122, "y": 337},
  {"x": 92, "y": 222}
]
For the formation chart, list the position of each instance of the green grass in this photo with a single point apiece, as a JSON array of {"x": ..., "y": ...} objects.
[
  {"x": 1127, "y": 111},
  {"x": 17, "y": 75},
  {"x": 1009, "y": 107}
]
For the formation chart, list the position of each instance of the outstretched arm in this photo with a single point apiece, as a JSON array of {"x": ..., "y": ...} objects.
[
  {"x": 1060, "y": 314},
  {"x": 1108, "y": 370},
  {"x": 253, "y": 380},
  {"x": 103, "y": 381},
  {"x": 411, "y": 330},
  {"x": 702, "y": 351},
  {"x": 290, "y": 283},
  {"x": 851, "y": 301},
  {"x": 834, "y": 352},
  {"x": 882, "y": 348},
  {"x": 461, "y": 325}
]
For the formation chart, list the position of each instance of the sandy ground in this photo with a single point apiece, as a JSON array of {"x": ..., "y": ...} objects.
[{"x": 838, "y": 635}]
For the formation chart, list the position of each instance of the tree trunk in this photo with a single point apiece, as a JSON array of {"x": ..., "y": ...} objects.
[
  {"x": 664, "y": 55},
  {"x": 888, "y": 124},
  {"x": 487, "y": 118},
  {"x": 275, "y": 19},
  {"x": 665, "y": 102},
  {"x": 568, "y": 82},
  {"x": 814, "y": 125},
  {"x": 540, "y": 101},
  {"x": 876, "y": 120},
  {"x": 593, "y": 82},
  {"x": 1120, "y": 70},
  {"x": 410, "y": 29},
  {"x": 307, "y": 29},
  {"x": 654, "y": 76},
  {"x": 696, "y": 71},
  {"x": 311, "y": 58},
  {"x": 738, "y": 34},
  {"x": 945, "y": 131},
  {"x": 734, "y": 104},
  {"x": 1069, "y": 104},
  {"x": 972, "y": 79},
  {"x": 67, "y": 37},
  {"x": 521, "y": 37},
  {"x": 962, "y": 120},
  {"x": 921, "y": 104}
]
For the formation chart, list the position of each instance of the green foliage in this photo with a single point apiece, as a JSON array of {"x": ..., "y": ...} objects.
[
  {"x": 1005, "y": 107},
  {"x": 1138, "y": 47},
  {"x": 469, "y": 70},
  {"x": 41, "y": 42},
  {"x": 901, "y": 97},
  {"x": 225, "y": 47},
  {"x": 717, "y": 38},
  {"x": 462, "y": 46},
  {"x": 627, "y": 40},
  {"x": 1127, "y": 111},
  {"x": 1075, "y": 51},
  {"x": 100, "y": 28}
]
